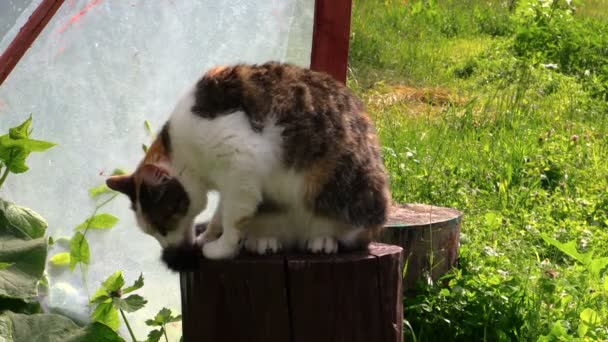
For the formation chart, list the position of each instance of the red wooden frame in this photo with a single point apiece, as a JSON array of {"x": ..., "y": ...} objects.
[
  {"x": 330, "y": 43},
  {"x": 331, "y": 37},
  {"x": 26, "y": 36}
]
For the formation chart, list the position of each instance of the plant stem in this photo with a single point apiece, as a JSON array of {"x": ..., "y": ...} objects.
[
  {"x": 165, "y": 332},
  {"x": 124, "y": 318},
  {"x": 4, "y": 175},
  {"x": 85, "y": 282},
  {"x": 97, "y": 207}
]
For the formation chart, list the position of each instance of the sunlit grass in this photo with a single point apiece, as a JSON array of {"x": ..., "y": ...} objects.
[{"x": 520, "y": 147}]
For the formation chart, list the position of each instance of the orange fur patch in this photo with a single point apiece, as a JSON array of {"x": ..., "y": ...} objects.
[
  {"x": 156, "y": 153},
  {"x": 315, "y": 178}
]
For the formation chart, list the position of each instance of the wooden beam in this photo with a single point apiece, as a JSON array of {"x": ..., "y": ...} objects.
[
  {"x": 26, "y": 36},
  {"x": 331, "y": 36}
]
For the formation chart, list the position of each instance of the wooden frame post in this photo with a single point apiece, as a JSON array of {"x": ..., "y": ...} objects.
[
  {"x": 26, "y": 36},
  {"x": 331, "y": 37}
]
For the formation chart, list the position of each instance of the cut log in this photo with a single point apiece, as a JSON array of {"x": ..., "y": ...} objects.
[
  {"x": 430, "y": 238},
  {"x": 296, "y": 298}
]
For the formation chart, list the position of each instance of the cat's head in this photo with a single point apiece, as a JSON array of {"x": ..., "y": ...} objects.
[{"x": 160, "y": 202}]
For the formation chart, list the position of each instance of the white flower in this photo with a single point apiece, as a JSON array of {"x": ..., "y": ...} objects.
[{"x": 550, "y": 66}]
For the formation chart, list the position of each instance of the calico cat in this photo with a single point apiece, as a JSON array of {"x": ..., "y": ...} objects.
[{"x": 291, "y": 152}]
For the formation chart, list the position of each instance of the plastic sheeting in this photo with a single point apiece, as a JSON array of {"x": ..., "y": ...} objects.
[{"x": 96, "y": 72}]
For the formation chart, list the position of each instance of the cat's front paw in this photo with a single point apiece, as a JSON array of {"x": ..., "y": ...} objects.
[
  {"x": 262, "y": 246},
  {"x": 219, "y": 249},
  {"x": 324, "y": 244}
]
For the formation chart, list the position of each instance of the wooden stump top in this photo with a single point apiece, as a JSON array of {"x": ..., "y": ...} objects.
[{"x": 410, "y": 215}]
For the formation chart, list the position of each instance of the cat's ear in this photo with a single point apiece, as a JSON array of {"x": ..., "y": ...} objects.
[
  {"x": 123, "y": 183},
  {"x": 154, "y": 174}
]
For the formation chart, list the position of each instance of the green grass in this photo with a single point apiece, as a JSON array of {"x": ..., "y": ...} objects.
[{"x": 520, "y": 145}]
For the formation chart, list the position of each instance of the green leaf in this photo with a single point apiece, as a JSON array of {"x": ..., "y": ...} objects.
[
  {"x": 23, "y": 246},
  {"x": 138, "y": 284},
  {"x": 29, "y": 145},
  {"x": 148, "y": 127},
  {"x": 144, "y": 147},
  {"x": 51, "y": 327},
  {"x": 155, "y": 335},
  {"x": 107, "y": 314},
  {"x": 20, "y": 306},
  {"x": 114, "y": 282},
  {"x": 119, "y": 172},
  {"x": 590, "y": 317},
  {"x": 99, "y": 221},
  {"x": 163, "y": 317},
  {"x": 130, "y": 304},
  {"x": 20, "y": 222},
  {"x": 582, "y": 330},
  {"x": 99, "y": 190},
  {"x": 13, "y": 153},
  {"x": 597, "y": 265},
  {"x": 79, "y": 251},
  {"x": 22, "y": 131},
  {"x": 569, "y": 248},
  {"x": 100, "y": 299},
  {"x": 100, "y": 296},
  {"x": 60, "y": 259},
  {"x": 5, "y": 265}
]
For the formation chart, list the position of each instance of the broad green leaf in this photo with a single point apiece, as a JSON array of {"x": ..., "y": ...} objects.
[
  {"x": 597, "y": 265},
  {"x": 79, "y": 250},
  {"x": 51, "y": 327},
  {"x": 139, "y": 283},
  {"x": 114, "y": 282},
  {"x": 5, "y": 265},
  {"x": 493, "y": 219},
  {"x": 60, "y": 259},
  {"x": 99, "y": 221},
  {"x": 130, "y": 304},
  {"x": 20, "y": 306},
  {"x": 569, "y": 248},
  {"x": 590, "y": 317},
  {"x": 20, "y": 222},
  {"x": 99, "y": 190},
  {"x": 22, "y": 131},
  {"x": 155, "y": 335},
  {"x": 26, "y": 257},
  {"x": 582, "y": 330},
  {"x": 107, "y": 314}
]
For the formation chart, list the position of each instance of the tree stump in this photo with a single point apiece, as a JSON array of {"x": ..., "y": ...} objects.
[
  {"x": 296, "y": 298},
  {"x": 430, "y": 238}
]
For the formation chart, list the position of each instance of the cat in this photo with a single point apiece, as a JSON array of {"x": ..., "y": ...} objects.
[{"x": 291, "y": 151}]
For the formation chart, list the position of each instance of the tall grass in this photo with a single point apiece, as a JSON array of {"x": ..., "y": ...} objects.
[{"x": 520, "y": 145}]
